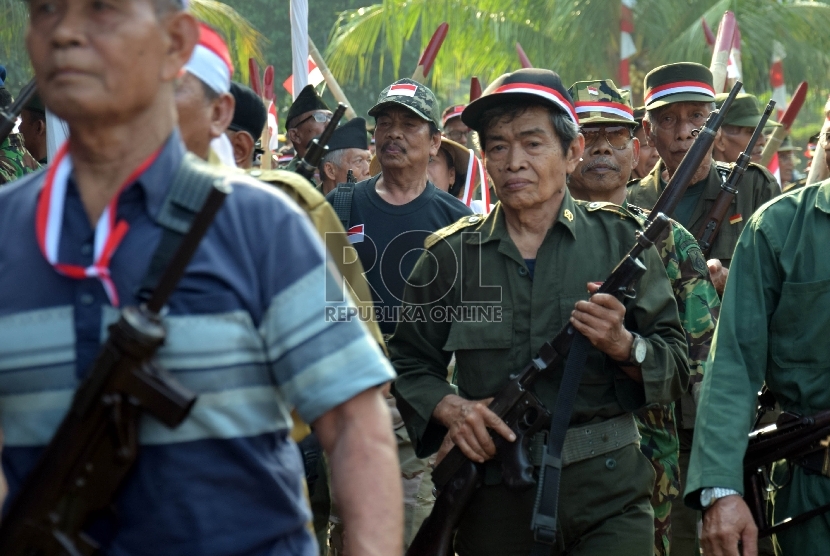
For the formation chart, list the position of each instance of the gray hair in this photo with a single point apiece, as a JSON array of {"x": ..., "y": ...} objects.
[
  {"x": 564, "y": 127},
  {"x": 335, "y": 157}
]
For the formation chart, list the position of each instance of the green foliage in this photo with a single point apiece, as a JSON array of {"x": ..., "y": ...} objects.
[
  {"x": 14, "y": 15},
  {"x": 243, "y": 38}
]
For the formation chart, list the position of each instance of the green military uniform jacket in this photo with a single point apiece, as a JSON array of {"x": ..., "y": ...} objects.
[
  {"x": 756, "y": 188},
  {"x": 15, "y": 160},
  {"x": 474, "y": 265},
  {"x": 773, "y": 328}
]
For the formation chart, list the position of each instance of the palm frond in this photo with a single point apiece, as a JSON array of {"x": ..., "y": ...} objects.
[{"x": 243, "y": 38}]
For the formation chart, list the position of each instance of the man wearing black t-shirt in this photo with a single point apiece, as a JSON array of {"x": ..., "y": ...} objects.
[{"x": 388, "y": 218}]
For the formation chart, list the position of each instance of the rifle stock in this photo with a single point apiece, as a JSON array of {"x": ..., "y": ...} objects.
[
  {"x": 711, "y": 226},
  {"x": 8, "y": 117},
  {"x": 96, "y": 445}
]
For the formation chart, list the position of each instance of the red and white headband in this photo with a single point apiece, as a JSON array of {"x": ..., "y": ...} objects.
[
  {"x": 541, "y": 91},
  {"x": 211, "y": 61},
  {"x": 454, "y": 113},
  {"x": 677, "y": 87},
  {"x": 616, "y": 108}
]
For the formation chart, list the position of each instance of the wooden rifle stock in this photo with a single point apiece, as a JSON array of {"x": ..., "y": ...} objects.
[
  {"x": 711, "y": 226},
  {"x": 520, "y": 410}
]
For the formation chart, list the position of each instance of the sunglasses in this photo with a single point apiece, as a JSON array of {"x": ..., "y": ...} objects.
[
  {"x": 618, "y": 136},
  {"x": 319, "y": 117}
]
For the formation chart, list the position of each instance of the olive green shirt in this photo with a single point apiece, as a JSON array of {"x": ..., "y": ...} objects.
[
  {"x": 473, "y": 267},
  {"x": 773, "y": 328},
  {"x": 756, "y": 188}
]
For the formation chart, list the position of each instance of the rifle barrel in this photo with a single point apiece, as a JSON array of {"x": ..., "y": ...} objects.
[{"x": 9, "y": 118}]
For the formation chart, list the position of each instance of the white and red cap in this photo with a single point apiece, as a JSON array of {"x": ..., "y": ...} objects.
[
  {"x": 680, "y": 82},
  {"x": 211, "y": 60},
  {"x": 451, "y": 112},
  {"x": 523, "y": 86}
]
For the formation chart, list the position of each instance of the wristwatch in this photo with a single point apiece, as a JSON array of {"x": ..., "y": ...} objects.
[
  {"x": 708, "y": 496},
  {"x": 639, "y": 348}
]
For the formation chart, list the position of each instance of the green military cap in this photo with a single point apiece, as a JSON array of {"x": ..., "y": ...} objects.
[
  {"x": 744, "y": 112},
  {"x": 35, "y": 104},
  {"x": 639, "y": 114},
  {"x": 680, "y": 82},
  {"x": 787, "y": 146},
  {"x": 410, "y": 94},
  {"x": 600, "y": 102}
]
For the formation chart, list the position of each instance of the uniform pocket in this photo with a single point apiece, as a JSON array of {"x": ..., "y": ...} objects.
[
  {"x": 797, "y": 338},
  {"x": 482, "y": 331}
]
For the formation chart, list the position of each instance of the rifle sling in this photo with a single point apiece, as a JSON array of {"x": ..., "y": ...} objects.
[
  {"x": 191, "y": 185},
  {"x": 545, "y": 510},
  {"x": 342, "y": 203}
]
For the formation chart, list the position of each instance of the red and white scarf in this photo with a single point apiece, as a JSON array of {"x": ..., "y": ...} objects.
[
  {"x": 108, "y": 232},
  {"x": 475, "y": 169}
]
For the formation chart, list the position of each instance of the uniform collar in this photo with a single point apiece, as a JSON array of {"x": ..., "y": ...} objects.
[
  {"x": 713, "y": 181},
  {"x": 823, "y": 197},
  {"x": 494, "y": 227}
]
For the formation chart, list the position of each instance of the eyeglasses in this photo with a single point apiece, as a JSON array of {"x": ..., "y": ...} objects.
[
  {"x": 458, "y": 135},
  {"x": 319, "y": 117},
  {"x": 618, "y": 136},
  {"x": 824, "y": 139}
]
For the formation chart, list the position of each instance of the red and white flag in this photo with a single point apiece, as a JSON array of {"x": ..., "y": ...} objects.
[
  {"x": 627, "y": 47},
  {"x": 774, "y": 169},
  {"x": 734, "y": 69},
  {"x": 273, "y": 127},
  {"x": 315, "y": 77},
  {"x": 403, "y": 89},
  {"x": 776, "y": 78},
  {"x": 356, "y": 233}
]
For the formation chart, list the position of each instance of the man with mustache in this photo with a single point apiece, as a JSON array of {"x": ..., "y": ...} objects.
[
  {"x": 738, "y": 125},
  {"x": 611, "y": 151},
  {"x": 387, "y": 218},
  {"x": 246, "y": 326},
  {"x": 678, "y": 99}
]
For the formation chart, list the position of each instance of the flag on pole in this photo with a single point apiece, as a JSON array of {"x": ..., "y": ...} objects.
[
  {"x": 315, "y": 77},
  {"x": 776, "y": 78},
  {"x": 734, "y": 69},
  {"x": 273, "y": 127},
  {"x": 627, "y": 47},
  {"x": 299, "y": 44}
]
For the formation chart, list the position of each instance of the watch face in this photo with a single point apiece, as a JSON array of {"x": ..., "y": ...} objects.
[{"x": 640, "y": 350}]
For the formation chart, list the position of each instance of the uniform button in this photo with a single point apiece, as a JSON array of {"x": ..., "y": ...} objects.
[
  {"x": 522, "y": 271},
  {"x": 86, "y": 249},
  {"x": 473, "y": 219},
  {"x": 611, "y": 464},
  {"x": 87, "y": 299}
]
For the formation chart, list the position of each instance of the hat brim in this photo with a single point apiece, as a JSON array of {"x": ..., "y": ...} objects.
[
  {"x": 751, "y": 121},
  {"x": 679, "y": 97},
  {"x": 378, "y": 108},
  {"x": 459, "y": 153},
  {"x": 472, "y": 114},
  {"x": 607, "y": 120}
]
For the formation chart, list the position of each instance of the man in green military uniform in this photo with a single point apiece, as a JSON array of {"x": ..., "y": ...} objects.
[
  {"x": 611, "y": 152},
  {"x": 679, "y": 98},
  {"x": 540, "y": 249},
  {"x": 15, "y": 160},
  {"x": 773, "y": 329},
  {"x": 738, "y": 125}
]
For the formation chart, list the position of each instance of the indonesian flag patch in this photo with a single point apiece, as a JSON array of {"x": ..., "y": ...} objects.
[
  {"x": 734, "y": 219},
  {"x": 355, "y": 234},
  {"x": 593, "y": 91},
  {"x": 403, "y": 89}
]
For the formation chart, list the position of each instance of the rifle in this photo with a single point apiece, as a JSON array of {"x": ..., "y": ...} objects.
[
  {"x": 8, "y": 117},
  {"x": 350, "y": 177},
  {"x": 792, "y": 437},
  {"x": 96, "y": 445},
  {"x": 458, "y": 477},
  {"x": 319, "y": 146},
  {"x": 711, "y": 226}
]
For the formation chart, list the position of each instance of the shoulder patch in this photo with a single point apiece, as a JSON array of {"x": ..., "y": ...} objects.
[
  {"x": 292, "y": 184},
  {"x": 446, "y": 232},
  {"x": 609, "y": 207}
]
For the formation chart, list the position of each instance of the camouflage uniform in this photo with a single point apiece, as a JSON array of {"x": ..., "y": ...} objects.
[
  {"x": 15, "y": 160},
  {"x": 698, "y": 305}
]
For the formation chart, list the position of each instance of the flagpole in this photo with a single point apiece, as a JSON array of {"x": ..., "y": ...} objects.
[
  {"x": 332, "y": 83},
  {"x": 299, "y": 44}
]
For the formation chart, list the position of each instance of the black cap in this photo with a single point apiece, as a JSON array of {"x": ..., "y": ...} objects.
[
  {"x": 351, "y": 135},
  {"x": 249, "y": 114},
  {"x": 525, "y": 85},
  {"x": 35, "y": 104},
  {"x": 307, "y": 101}
]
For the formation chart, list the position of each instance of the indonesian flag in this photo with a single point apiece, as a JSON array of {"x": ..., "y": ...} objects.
[
  {"x": 403, "y": 90},
  {"x": 315, "y": 77},
  {"x": 776, "y": 78},
  {"x": 734, "y": 69},
  {"x": 273, "y": 127},
  {"x": 627, "y": 48},
  {"x": 775, "y": 169}
]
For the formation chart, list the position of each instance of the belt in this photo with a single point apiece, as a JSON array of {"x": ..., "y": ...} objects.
[{"x": 587, "y": 441}]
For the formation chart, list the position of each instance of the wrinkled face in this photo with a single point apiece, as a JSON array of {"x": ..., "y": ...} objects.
[
  {"x": 671, "y": 131},
  {"x": 404, "y": 140},
  {"x": 307, "y": 127},
  {"x": 194, "y": 108},
  {"x": 648, "y": 155},
  {"x": 356, "y": 160},
  {"x": 733, "y": 140},
  {"x": 525, "y": 159},
  {"x": 441, "y": 171},
  {"x": 457, "y": 131},
  {"x": 98, "y": 60},
  {"x": 604, "y": 167}
]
